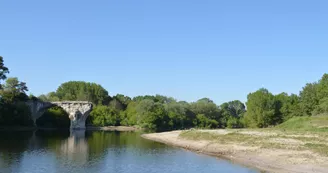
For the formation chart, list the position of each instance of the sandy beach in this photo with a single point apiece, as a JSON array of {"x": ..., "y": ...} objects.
[{"x": 268, "y": 159}]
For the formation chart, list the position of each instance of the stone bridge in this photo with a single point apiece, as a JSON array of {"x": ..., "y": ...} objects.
[{"x": 78, "y": 111}]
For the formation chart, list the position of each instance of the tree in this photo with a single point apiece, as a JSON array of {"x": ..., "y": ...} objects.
[
  {"x": 308, "y": 98},
  {"x": 207, "y": 108},
  {"x": 149, "y": 114},
  {"x": 3, "y": 71},
  {"x": 124, "y": 100},
  {"x": 104, "y": 116},
  {"x": 178, "y": 115},
  {"x": 322, "y": 108},
  {"x": 232, "y": 111},
  {"x": 288, "y": 105},
  {"x": 82, "y": 91},
  {"x": 234, "y": 108},
  {"x": 14, "y": 90},
  {"x": 322, "y": 87},
  {"x": 129, "y": 117},
  {"x": 202, "y": 121},
  {"x": 262, "y": 110},
  {"x": 234, "y": 122}
]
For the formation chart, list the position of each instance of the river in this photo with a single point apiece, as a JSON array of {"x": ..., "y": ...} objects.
[{"x": 101, "y": 151}]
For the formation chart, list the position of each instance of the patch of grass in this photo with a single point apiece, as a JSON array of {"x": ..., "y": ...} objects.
[
  {"x": 321, "y": 149},
  {"x": 314, "y": 144},
  {"x": 198, "y": 135},
  {"x": 306, "y": 123},
  {"x": 233, "y": 137}
]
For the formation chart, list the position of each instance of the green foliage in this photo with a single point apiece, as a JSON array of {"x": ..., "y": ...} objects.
[
  {"x": 308, "y": 98},
  {"x": 288, "y": 105},
  {"x": 13, "y": 110},
  {"x": 14, "y": 114},
  {"x": 82, "y": 91},
  {"x": 178, "y": 115},
  {"x": 116, "y": 105},
  {"x": 129, "y": 117},
  {"x": 262, "y": 109},
  {"x": 231, "y": 111},
  {"x": 54, "y": 117},
  {"x": 3, "y": 71},
  {"x": 104, "y": 116},
  {"x": 14, "y": 91},
  {"x": 234, "y": 122},
  {"x": 160, "y": 112},
  {"x": 50, "y": 97},
  {"x": 322, "y": 108},
  {"x": 202, "y": 121},
  {"x": 306, "y": 123},
  {"x": 207, "y": 108},
  {"x": 124, "y": 100},
  {"x": 151, "y": 115}
]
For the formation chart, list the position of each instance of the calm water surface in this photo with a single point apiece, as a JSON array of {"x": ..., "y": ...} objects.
[{"x": 98, "y": 151}]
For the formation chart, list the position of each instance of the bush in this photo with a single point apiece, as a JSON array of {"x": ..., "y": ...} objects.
[
  {"x": 234, "y": 122},
  {"x": 104, "y": 116},
  {"x": 203, "y": 122}
]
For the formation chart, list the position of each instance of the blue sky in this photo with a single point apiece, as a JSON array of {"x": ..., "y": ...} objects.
[{"x": 187, "y": 49}]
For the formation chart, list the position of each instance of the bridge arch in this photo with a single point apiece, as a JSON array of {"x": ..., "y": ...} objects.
[{"x": 78, "y": 111}]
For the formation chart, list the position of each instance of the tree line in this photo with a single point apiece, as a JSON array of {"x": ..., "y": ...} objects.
[{"x": 158, "y": 112}]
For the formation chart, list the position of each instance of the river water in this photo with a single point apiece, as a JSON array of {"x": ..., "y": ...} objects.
[{"x": 99, "y": 151}]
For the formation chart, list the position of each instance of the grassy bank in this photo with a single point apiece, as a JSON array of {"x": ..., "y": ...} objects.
[
  {"x": 298, "y": 145},
  {"x": 300, "y": 134}
]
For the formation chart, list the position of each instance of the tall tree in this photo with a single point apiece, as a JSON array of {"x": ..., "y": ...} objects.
[
  {"x": 82, "y": 91},
  {"x": 3, "y": 70},
  {"x": 308, "y": 98},
  {"x": 262, "y": 110},
  {"x": 231, "y": 113}
]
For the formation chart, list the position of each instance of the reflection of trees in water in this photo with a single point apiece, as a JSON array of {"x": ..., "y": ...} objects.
[
  {"x": 100, "y": 141},
  {"x": 12, "y": 147},
  {"x": 76, "y": 147}
]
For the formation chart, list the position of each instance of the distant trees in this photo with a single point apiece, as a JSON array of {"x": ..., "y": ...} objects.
[
  {"x": 265, "y": 109},
  {"x": 159, "y": 112},
  {"x": 13, "y": 110}
]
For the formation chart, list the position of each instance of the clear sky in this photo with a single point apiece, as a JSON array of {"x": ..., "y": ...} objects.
[{"x": 187, "y": 49}]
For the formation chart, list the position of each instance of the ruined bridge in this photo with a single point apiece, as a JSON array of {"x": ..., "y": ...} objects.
[{"x": 78, "y": 111}]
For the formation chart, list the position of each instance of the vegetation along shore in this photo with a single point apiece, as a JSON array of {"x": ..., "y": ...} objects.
[{"x": 277, "y": 132}]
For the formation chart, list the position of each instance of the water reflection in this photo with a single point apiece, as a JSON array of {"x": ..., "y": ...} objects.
[
  {"x": 75, "y": 147},
  {"x": 99, "y": 151}
]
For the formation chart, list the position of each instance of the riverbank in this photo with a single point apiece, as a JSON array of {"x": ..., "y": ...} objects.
[{"x": 267, "y": 150}]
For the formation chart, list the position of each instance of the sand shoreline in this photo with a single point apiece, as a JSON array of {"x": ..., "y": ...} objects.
[{"x": 267, "y": 160}]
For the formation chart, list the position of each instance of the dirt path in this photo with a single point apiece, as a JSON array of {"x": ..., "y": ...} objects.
[{"x": 266, "y": 159}]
